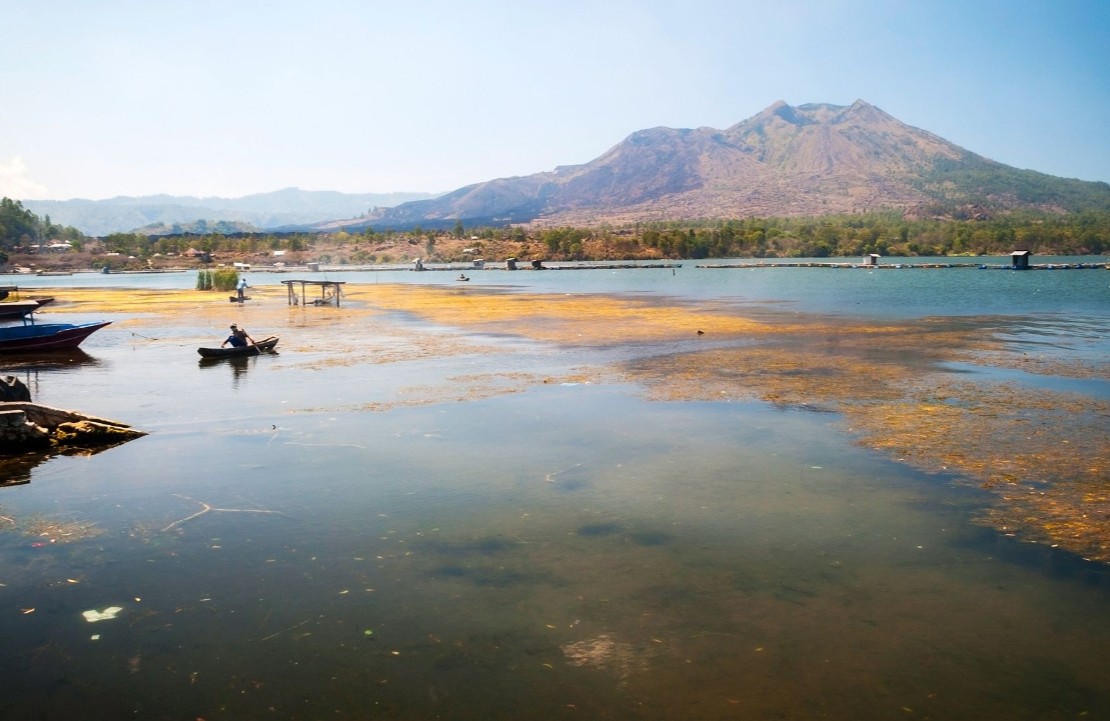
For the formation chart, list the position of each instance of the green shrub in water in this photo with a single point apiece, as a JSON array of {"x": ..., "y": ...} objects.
[{"x": 225, "y": 279}]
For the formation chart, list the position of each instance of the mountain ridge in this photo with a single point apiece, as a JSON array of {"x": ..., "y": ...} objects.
[
  {"x": 811, "y": 159},
  {"x": 288, "y": 207}
]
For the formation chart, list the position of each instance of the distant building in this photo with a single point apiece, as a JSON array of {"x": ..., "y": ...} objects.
[
  {"x": 871, "y": 259},
  {"x": 1019, "y": 260}
]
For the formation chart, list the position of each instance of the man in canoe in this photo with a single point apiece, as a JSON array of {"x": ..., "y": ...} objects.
[{"x": 238, "y": 337}]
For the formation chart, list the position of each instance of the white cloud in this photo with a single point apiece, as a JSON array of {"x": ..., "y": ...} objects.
[{"x": 15, "y": 184}]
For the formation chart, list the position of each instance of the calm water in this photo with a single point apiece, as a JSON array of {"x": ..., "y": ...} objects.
[
  {"x": 568, "y": 551},
  {"x": 880, "y": 292}
]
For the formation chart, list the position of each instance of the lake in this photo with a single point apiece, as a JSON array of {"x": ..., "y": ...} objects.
[{"x": 399, "y": 517}]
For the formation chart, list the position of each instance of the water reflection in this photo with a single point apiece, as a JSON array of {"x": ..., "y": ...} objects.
[
  {"x": 34, "y": 368},
  {"x": 239, "y": 366},
  {"x": 17, "y": 471},
  {"x": 56, "y": 359}
]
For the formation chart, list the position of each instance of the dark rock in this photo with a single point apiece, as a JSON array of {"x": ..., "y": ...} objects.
[{"x": 13, "y": 389}]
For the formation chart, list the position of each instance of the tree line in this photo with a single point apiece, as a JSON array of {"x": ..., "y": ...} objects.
[
  {"x": 20, "y": 228},
  {"x": 1086, "y": 233},
  {"x": 887, "y": 233}
]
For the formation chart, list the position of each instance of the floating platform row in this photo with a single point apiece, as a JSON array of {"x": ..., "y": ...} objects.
[
  {"x": 1019, "y": 260},
  {"x": 895, "y": 266}
]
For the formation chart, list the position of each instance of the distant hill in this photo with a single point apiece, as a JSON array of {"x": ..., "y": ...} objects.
[
  {"x": 809, "y": 160},
  {"x": 288, "y": 208},
  {"x": 786, "y": 161}
]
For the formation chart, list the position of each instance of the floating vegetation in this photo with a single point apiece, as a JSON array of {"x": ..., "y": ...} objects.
[
  {"x": 1043, "y": 455},
  {"x": 48, "y": 530},
  {"x": 607, "y": 653},
  {"x": 577, "y": 319}
]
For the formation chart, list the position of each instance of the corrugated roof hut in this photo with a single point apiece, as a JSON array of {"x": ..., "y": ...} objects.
[{"x": 1019, "y": 260}]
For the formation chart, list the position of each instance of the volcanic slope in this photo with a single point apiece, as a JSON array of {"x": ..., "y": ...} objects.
[{"x": 809, "y": 160}]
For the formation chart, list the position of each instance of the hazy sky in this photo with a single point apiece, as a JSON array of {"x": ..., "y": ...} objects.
[{"x": 232, "y": 97}]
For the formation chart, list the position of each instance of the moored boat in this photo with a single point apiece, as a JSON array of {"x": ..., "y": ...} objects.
[
  {"x": 17, "y": 308},
  {"x": 32, "y": 337},
  {"x": 263, "y": 346},
  {"x": 12, "y": 306}
]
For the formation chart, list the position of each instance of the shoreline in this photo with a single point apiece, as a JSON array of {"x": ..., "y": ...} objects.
[{"x": 23, "y": 267}]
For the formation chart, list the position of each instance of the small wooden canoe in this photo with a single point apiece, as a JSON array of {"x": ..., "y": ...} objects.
[{"x": 262, "y": 346}]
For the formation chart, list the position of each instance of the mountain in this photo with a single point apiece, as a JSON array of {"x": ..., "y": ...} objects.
[
  {"x": 806, "y": 160},
  {"x": 282, "y": 209},
  {"x": 813, "y": 159}
]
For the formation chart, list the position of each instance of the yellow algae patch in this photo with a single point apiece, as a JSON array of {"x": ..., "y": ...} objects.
[
  {"x": 129, "y": 300},
  {"x": 571, "y": 319},
  {"x": 1045, "y": 365},
  {"x": 784, "y": 376},
  {"x": 474, "y": 387},
  {"x": 447, "y": 392},
  {"x": 460, "y": 389},
  {"x": 1042, "y": 455},
  {"x": 826, "y": 364},
  {"x": 320, "y": 349}
]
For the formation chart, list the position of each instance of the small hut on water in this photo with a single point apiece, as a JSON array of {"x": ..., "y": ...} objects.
[{"x": 330, "y": 292}]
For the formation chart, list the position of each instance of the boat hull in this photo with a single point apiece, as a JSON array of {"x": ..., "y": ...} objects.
[
  {"x": 46, "y": 336},
  {"x": 20, "y": 308}
]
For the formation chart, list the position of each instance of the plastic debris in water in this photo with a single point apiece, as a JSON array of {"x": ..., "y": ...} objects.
[{"x": 107, "y": 614}]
